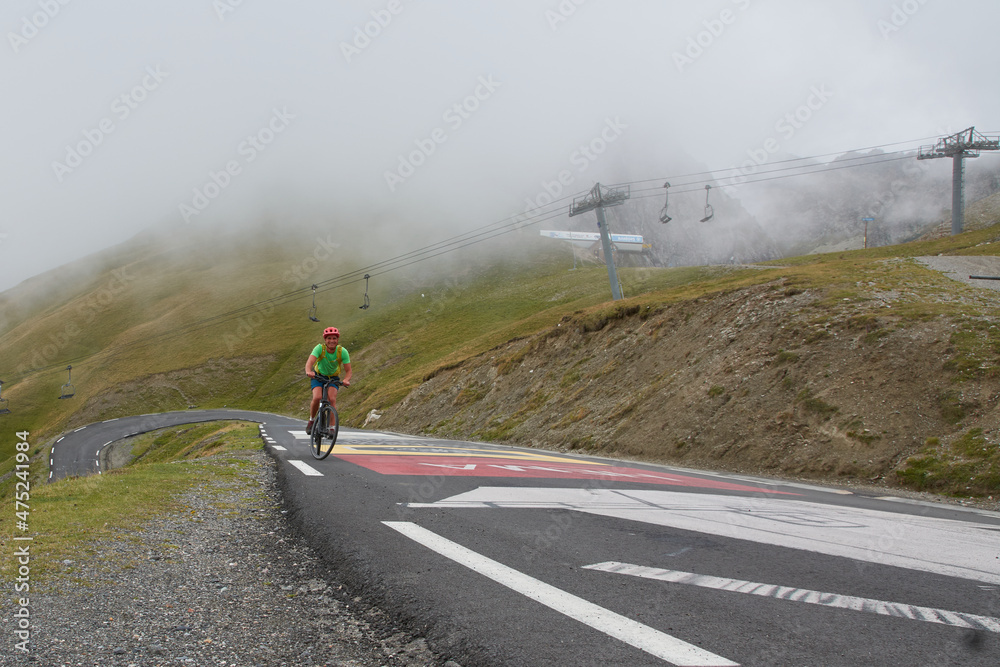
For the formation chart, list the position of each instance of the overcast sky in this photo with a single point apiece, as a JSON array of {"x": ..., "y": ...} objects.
[{"x": 122, "y": 115}]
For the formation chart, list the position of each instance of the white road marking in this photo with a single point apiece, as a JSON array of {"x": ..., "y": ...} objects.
[
  {"x": 80, "y": 429},
  {"x": 948, "y": 506},
  {"x": 896, "y": 609},
  {"x": 942, "y": 546},
  {"x": 278, "y": 448},
  {"x": 362, "y": 436},
  {"x": 60, "y": 439},
  {"x": 760, "y": 481},
  {"x": 110, "y": 420},
  {"x": 620, "y": 627},
  {"x": 305, "y": 468}
]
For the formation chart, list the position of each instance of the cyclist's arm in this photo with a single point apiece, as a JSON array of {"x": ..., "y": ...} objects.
[
  {"x": 346, "y": 380},
  {"x": 310, "y": 364}
]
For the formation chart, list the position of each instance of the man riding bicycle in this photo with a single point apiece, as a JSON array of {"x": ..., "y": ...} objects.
[{"x": 327, "y": 360}]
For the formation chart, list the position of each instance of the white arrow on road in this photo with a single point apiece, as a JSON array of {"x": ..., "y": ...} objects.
[{"x": 953, "y": 548}]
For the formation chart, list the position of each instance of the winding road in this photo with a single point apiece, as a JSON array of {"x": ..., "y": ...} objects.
[{"x": 512, "y": 556}]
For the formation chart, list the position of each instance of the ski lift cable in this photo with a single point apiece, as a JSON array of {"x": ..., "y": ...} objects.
[
  {"x": 751, "y": 180},
  {"x": 797, "y": 159},
  {"x": 509, "y": 221},
  {"x": 434, "y": 251},
  {"x": 220, "y": 319},
  {"x": 428, "y": 253},
  {"x": 422, "y": 254},
  {"x": 807, "y": 169}
]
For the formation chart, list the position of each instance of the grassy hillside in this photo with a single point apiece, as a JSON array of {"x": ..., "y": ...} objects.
[{"x": 137, "y": 327}]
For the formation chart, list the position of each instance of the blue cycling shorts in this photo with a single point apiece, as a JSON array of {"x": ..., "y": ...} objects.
[{"x": 319, "y": 380}]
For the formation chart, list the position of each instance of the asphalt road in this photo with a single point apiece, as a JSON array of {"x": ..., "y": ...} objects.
[{"x": 510, "y": 556}]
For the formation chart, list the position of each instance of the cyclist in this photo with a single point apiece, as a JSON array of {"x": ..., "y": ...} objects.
[{"x": 327, "y": 360}]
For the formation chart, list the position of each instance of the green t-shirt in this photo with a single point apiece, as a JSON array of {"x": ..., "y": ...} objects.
[{"x": 327, "y": 361}]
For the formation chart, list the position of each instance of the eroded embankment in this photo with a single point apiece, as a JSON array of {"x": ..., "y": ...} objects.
[{"x": 769, "y": 379}]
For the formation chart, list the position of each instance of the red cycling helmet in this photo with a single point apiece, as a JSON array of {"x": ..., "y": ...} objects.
[{"x": 331, "y": 331}]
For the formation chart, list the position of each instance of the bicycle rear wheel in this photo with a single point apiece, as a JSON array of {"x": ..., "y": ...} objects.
[{"x": 321, "y": 446}]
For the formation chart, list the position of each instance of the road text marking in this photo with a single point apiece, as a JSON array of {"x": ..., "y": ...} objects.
[
  {"x": 896, "y": 609},
  {"x": 620, "y": 627}
]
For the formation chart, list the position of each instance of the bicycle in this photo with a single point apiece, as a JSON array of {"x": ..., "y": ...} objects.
[{"x": 326, "y": 424}]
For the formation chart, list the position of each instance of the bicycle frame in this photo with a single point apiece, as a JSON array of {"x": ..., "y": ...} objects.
[{"x": 326, "y": 424}]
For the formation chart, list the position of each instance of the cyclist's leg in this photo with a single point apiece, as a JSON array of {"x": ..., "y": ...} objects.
[
  {"x": 317, "y": 394},
  {"x": 332, "y": 395}
]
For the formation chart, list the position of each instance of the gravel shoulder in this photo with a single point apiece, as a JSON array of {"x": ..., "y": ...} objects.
[{"x": 227, "y": 582}]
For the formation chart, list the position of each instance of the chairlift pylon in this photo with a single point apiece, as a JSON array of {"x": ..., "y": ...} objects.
[
  {"x": 4, "y": 403},
  {"x": 664, "y": 218},
  {"x": 312, "y": 311},
  {"x": 709, "y": 211},
  {"x": 367, "y": 303},
  {"x": 67, "y": 390}
]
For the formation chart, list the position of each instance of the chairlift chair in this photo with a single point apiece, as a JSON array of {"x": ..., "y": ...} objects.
[
  {"x": 312, "y": 311},
  {"x": 709, "y": 211},
  {"x": 4, "y": 403},
  {"x": 67, "y": 390},
  {"x": 367, "y": 302},
  {"x": 664, "y": 218}
]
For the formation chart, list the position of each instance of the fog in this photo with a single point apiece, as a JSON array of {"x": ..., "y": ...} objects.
[{"x": 432, "y": 118}]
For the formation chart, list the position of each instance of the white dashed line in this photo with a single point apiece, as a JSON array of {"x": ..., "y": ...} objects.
[
  {"x": 896, "y": 609},
  {"x": 305, "y": 468}
]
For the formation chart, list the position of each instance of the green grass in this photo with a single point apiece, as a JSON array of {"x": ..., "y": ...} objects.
[
  {"x": 968, "y": 467},
  {"x": 66, "y": 517}
]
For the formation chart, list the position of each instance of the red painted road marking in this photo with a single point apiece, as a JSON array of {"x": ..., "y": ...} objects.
[{"x": 499, "y": 467}]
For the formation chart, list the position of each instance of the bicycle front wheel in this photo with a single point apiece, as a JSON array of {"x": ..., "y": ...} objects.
[{"x": 321, "y": 446}]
